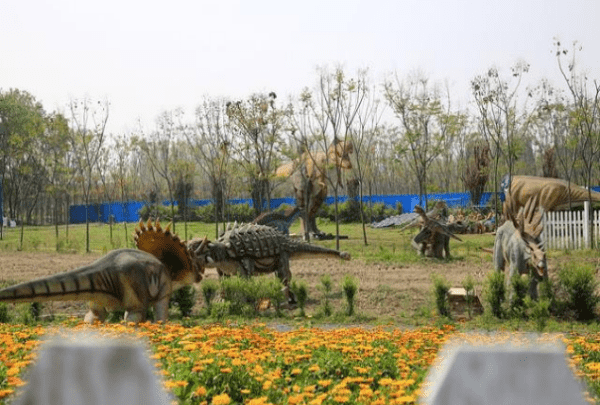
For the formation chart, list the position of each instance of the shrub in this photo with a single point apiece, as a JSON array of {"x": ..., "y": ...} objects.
[
  {"x": 157, "y": 211},
  {"x": 349, "y": 287},
  {"x": 326, "y": 285},
  {"x": 540, "y": 312},
  {"x": 579, "y": 284},
  {"x": 469, "y": 286},
  {"x": 209, "y": 291},
  {"x": 4, "y": 314},
  {"x": 495, "y": 292},
  {"x": 519, "y": 286},
  {"x": 184, "y": 299},
  {"x": 301, "y": 291},
  {"x": 441, "y": 286},
  {"x": 241, "y": 294}
]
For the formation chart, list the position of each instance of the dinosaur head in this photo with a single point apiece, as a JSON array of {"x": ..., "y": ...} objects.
[
  {"x": 200, "y": 251},
  {"x": 170, "y": 250},
  {"x": 537, "y": 257}
]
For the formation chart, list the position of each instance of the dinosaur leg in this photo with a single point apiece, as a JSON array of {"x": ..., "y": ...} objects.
[
  {"x": 285, "y": 275},
  {"x": 316, "y": 202},
  {"x": 96, "y": 313},
  {"x": 161, "y": 309}
]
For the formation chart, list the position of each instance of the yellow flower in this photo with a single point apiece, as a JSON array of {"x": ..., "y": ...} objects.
[
  {"x": 324, "y": 383},
  {"x": 5, "y": 392},
  {"x": 267, "y": 384},
  {"x": 314, "y": 368},
  {"x": 296, "y": 371},
  {"x": 226, "y": 370},
  {"x": 222, "y": 399},
  {"x": 341, "y": 398},
  {"x": 200, "y": 391}
]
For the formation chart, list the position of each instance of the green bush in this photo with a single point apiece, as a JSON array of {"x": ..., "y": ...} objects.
[
  {"x": 350, "y": 287},
  {"x": 154, "y": 212},
  {"x": 520, "y": 287},
  {"x": 540, "y": 312},
  {"x": 441, "y": 286},
  {"x": 469, "y": 286},
  {"x": 241, "y": 293},
  {"x": 4, "y": 314},
  {"x": 301, "y": 291},
  {"x": 348, "y": 214},
  {"x": 209, "y": 291},
  {"x": 495, "y": 292},
  {"x": 184, "y": 299},
  {"x": 579, "y": 283},
  {"x": 326, "y": 286}
]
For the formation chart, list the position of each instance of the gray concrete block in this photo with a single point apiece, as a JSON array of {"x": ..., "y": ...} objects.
[
  {"x": 502, "y": 374},
  {"x": 90, "y": 370}
]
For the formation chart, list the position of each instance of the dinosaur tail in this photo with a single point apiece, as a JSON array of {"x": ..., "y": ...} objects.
[
  {"x": 308, "y": 251},
  {"x": 82, "y": 284}
]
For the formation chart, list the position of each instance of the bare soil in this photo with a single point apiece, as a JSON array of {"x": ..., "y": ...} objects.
[{"x": 386, "y": 292}]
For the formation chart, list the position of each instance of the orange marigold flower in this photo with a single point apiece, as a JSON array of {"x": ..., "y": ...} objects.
[
  {"x": 296, "y": 371},
  {"x": 267, "y": 384},
  {"x": 341, "y": 398},
  {"x": 324, "y": 383},
  {"x": 226, "y": 370},
  {"x": 6, "y": 392},
  {"x": 222, "y": 399},
  {"x": 200, "y": 391}
]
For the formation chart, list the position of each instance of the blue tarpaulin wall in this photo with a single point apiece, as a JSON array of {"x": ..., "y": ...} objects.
[{"x": 128, "y": 211}]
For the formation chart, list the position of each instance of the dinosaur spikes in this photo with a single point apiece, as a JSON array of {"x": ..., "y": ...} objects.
[
  {"x": 168, "y": 228},
  {"x": 149, "y": 224},
  {"x": 157, "y": 225}
]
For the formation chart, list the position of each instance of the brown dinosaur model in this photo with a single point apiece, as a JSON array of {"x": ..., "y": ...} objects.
[
  {"x": 251, "y": 249},
  {"x": 434, "y": 238},
  {"x": 309, "y": 177},
  {"x": 124, "y": 279},
  {"x": 553, "y": 194},
  {"x": 519, "y": 245}
]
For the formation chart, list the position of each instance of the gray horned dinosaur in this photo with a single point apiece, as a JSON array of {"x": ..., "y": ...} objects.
[
  {"x": 519, "y": 245},
  {"x": 251, "y": 249},
  {"x": 124, "y": 279}
]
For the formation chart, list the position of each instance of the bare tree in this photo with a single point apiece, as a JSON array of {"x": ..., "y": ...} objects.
[
  {"x": 500, "y": 121},
  {"x": 87, "y": 137},
  {"x": 425, "y": 126},
  {"x": 211, "y": 141},
  {"x": 258, "y": 125}
]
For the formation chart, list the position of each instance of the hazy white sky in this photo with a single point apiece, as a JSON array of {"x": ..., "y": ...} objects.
[{"x": 148, "y": 56}]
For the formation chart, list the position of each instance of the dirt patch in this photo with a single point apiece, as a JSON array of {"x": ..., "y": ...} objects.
[{"x": 390, "y": 291}]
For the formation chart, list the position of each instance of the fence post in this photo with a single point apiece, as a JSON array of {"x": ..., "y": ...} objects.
[{"x": 586, "y": 223}]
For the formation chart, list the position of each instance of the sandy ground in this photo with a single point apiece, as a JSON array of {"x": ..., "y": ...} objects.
[{"x": 385, "y": 291}]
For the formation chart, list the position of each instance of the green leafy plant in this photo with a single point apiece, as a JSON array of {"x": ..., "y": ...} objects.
[
  {"x": 209, "y": 290},
  {"x": 350, "y": 287},
  {"x": 579, "y": 283},
  {"x": 441, "y": 286},
  {"x": 300, "y": 289},
  {"x": 469, "y": 286},
  {"x": 520, "y": 287},
  {"x": 327, "y": 286},
  {"x": 495, "y": 292},
  {"x": 185, "y": 299}
]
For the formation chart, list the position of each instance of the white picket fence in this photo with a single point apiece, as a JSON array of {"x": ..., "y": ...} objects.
[{"x": 569, "y": 229}]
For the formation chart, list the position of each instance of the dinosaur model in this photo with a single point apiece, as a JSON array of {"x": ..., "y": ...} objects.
[
  {"x": 309, "y": 177},
  {"x": 553, "y": 194},
  {"x": 124, "y": 279},
  {"x": 251, "y": 249},
  {"x": 281, "y": 222},
  {"x": 519, "y": 245},
  {"x": 434, "y": 238}
]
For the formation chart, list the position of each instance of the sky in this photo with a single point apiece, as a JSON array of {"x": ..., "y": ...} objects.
[{"x": 147, "y": 57}]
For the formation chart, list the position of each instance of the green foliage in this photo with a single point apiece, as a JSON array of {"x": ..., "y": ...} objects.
[
  {"x": 540, "y": 312},
  {"x": 240, "y": 293},
  {"x": 5, "y": 316},
  {"x": 441, "y": 286},
  {"x": 209, "y": 291},
  {"x": 495, "y": 292},
  {"x": 579, "y": 283},
  {"x": 350, "y": 287},
  {"x": 300, "y": 290},
  {"x": 520, "y": 287},
  {"x": 156, "y": 211},
  {"x": 469, "y": 286},
  {"x": 326, "y": 285},
  {"x": 348, "y": 214},
  {"x": 184, "y": 298}
]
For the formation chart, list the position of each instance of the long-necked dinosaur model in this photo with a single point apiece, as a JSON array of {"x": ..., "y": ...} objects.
[
  {"x": 553, "y": 194},
  {"x": 124, "y": 279},
  {"x": 279, "y": 221},
  {"x": 309, "y": 177},
  {"x": 519, "y": 245},
  {"x": 251, "y": 249}
]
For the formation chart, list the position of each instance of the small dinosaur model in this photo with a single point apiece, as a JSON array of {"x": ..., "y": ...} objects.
[
  {"x": 124, "y": 279},
  {"x": 519, "y": 245},
  {"x": 309, "y": 177},
  {"x": 251, "y": 249},
  {"x": 553, "y": 194},
  {"x": 434, "y": 238}
]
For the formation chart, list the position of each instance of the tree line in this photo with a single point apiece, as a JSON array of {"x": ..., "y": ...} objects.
[{"x": 407, "y": 138}]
